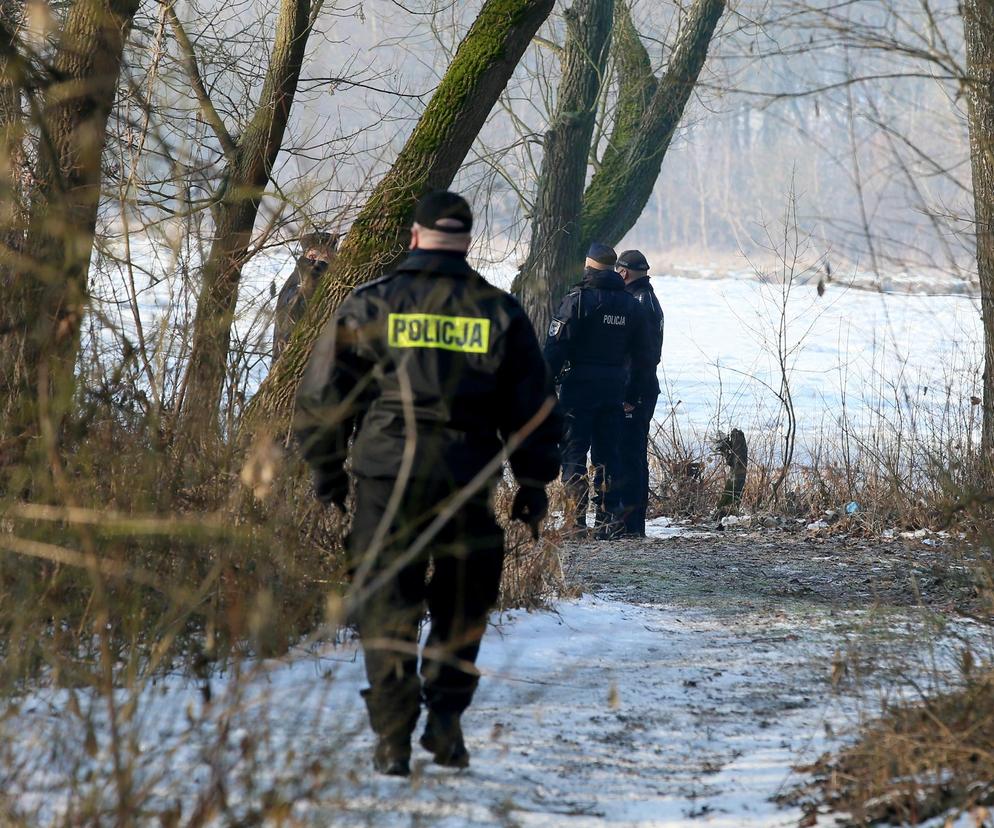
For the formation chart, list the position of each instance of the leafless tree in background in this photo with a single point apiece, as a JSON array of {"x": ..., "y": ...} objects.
[
  {"x": 67, "y": 97},
  {"x": 249, "y": 161},
  {"x": 567, "y": 217},
  {"x": 978, "y": 22},
  {"x": 888, "y": 44}
]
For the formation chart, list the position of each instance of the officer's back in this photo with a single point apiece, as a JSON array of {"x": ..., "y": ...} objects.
[
  {"x": 595, "y": 346},
  {"x": 451, "y": 369},
  {"x": 443, "y": 336}
]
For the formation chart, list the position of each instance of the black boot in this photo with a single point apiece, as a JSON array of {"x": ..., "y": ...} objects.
[
  {"x": 610, "y": 530},
  {"x": 443, "y": 737},
  {"x": 392, "y": 757},
  {"x": 393, "y": 720}
]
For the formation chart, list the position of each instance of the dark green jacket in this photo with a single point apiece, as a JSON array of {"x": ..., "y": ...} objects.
[{"x": 432, "y": 365}]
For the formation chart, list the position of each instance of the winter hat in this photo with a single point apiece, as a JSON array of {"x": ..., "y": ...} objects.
[
  {"x": 633, "y": 260},
  {"x": 445, "y": 212},
  {"x": 601, "y": 257},
  {"x": 319, "y": 240}
]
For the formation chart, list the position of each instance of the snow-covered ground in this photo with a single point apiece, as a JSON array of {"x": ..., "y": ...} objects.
[
  {"x": 870, "y": 359},
  {"x": 599, "y": 712},
  {"x": 875, "y": 360}
]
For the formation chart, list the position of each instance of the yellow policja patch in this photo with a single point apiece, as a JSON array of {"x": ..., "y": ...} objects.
[{"x": 468, "y": 334}]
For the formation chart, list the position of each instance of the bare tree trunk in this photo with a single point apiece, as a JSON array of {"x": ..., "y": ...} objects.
[
  {"x": 556, "y": 245},
  {"x": 647, "y": 115},
  {"x": 51, "y": 278},
  {"x": 429, "y": 160},
  {"x": 13, "y": 160},
  {"x": 13, "y": 220},
  {"x": 622, "y": 186},
  {"x": 250, "y": 162},
  {"x": 978, "y": 21}
]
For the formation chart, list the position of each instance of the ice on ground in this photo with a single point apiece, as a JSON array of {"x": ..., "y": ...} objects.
[
  {"x": 663, "y": 528},
  {"x": 602, "y": 712}
]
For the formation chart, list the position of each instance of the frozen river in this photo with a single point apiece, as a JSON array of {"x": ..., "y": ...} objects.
[
  {"x": 876, "y": 360},
  {"x": 868, "y": 358}
]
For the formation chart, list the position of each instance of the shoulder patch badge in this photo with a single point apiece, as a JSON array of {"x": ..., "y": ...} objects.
[{"x": 555, "y": 327}]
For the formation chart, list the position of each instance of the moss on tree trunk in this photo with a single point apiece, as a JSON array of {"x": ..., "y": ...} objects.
[
  {"x": 623, "y": 184},
  {"x": 648, "y": 112},
  {"x": 554, "y": 256}
]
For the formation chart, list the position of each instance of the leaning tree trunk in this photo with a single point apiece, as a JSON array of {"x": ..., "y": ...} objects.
[
  {"x": 250, "y": 162},
  {"x": 429, "y": 160},
  {"x": 623, "y": 184},
  {"x": 647, "y": 114},
  {"x": 51, "y": 283},
  {"x": 556, "y": 246},
  {"x": 979, "y": 24},
  {"x": 13, "y": 158}
]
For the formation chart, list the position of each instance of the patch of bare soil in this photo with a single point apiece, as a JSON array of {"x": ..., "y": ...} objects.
[
  {"x": 912, "y": 760},
  {"x": 745, "y": 568}
]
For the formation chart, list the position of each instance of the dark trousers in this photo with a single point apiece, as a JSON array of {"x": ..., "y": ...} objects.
[
  {"x": 634, "y": 453},
  {"x": 391, "y": 592},
  {"x": 594, "y": 430}
]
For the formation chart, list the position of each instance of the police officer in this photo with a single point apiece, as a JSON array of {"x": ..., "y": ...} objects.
[
  {"x": 438, "y": 372},
  {"x": 318, "y": 251},
  {"x": 598, "y": 349},
  {"x": 634, "y": 444}
]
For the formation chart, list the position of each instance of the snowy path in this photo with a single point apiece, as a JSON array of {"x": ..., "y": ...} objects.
[{"x": 604, "y": 712}]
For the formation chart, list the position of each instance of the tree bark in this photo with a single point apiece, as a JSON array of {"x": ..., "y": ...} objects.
[
  {"x": 636, "y": 83},
  {"x": 250, "y": 162},
  {"x": 13, "y": 217},
  {"x": 429, "y": 161},
  {"x": 978, "y": 20},
  {"x": 621, "y": 188},
  {"x": 555, "y": 252},
  {"x": 647, "y": 115},
  {"x": 13, "y": 166},
  {"x": 50, "y": 282}
]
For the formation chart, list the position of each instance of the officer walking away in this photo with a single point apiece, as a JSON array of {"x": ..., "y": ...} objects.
[
  {"x": 598, "y": 351},
  {"x": 318, "y": 249},
  {"x": 438, "y": 372},
  {"x": 634, "y": 444}
]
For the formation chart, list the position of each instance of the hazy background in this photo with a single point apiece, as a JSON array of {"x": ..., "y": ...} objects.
[{"x": 879, "y": 169}]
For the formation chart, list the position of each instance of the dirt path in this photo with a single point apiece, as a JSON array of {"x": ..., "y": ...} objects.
[
  {"x": 698, "y": 671},
  {"x": 745, "y": 568},
  {"x": 679, "y": 691}
]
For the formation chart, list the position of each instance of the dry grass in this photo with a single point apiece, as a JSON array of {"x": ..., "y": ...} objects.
[
  {"x": 533, "y": 572},
  {"x": 900, "y": 480},
  {"x": 916, "y": 762}
]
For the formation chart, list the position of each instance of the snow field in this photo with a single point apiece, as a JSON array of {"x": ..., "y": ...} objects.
[
  {"x": 601, "y": 712},
  {"x": 876, "y": 361}
]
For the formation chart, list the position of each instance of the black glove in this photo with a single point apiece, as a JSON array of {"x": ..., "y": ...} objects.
[
  {"x": 331, "y": 489},
  {"x": 530, "y": 506}
]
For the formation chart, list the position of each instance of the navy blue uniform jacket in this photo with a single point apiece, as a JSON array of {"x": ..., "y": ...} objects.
[{"x": 600, "y": 345}]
